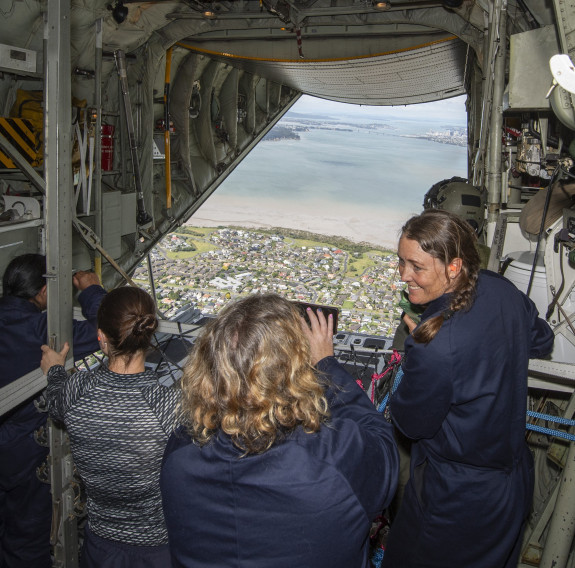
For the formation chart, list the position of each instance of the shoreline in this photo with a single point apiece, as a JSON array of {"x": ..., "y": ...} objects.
[{"x": 351, "y": 222}]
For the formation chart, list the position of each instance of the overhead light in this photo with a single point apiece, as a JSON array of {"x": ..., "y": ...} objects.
[
  {"x": 381, "y": 5},
  {"x": 119, "y": 11},
  {"x": 211, "y": 10}
]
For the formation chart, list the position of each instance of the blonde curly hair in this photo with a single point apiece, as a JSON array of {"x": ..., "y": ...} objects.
[{"x": 250, "y": 375}]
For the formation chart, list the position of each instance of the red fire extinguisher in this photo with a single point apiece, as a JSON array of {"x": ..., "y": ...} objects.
[{"x": 107, "y": 147}]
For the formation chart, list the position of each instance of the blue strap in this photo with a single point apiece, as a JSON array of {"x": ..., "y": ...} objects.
[
  {"x": 377, "y": 557},
  {"x": 551, "y": 432},
  {"x": 396, "y": 381},
  {"x": 551, "y": 418}
]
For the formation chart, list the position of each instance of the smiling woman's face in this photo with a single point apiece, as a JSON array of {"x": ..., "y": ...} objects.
[{"x": 424, "y": 274}]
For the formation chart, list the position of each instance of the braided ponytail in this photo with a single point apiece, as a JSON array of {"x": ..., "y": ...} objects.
[{"x": 446, "y": 236}]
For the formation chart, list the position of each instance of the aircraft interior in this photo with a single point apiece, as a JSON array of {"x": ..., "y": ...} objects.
[{"x": 120, "y": 118}]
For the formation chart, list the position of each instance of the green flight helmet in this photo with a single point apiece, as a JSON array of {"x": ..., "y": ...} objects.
[{"x": 459, "y": 197}]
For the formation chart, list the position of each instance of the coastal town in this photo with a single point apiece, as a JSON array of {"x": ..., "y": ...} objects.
[
  {"x": 289, "y": 127},
  {"x": 207, "y": 267},
  {"x": 455, "y": 136}
]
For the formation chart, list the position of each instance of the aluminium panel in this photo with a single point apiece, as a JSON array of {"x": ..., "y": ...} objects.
[
  {"x": 529, "y": 73},
  {"x": 112, "y": 223},
  {"x": 129, "y": 210}
]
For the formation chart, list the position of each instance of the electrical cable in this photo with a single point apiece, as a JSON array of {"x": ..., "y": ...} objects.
[
  {"x": 542, "y": 226},
  {"x": 557, "y": 294}
]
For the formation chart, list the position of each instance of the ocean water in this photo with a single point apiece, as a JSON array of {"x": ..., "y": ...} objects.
[{"x": 361, "y": 183}]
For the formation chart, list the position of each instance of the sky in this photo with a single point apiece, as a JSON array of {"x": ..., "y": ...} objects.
[{"x": 441, "y": 110}]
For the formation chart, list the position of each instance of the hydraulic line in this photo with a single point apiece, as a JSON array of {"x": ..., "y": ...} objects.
[
  {"x": 167, "y": 152},
  {"x": 98, "y": 148},
  {"x": 542, "y": 228},
  {"x": 142, "y": 216},
  {"x": 493, "y": 170}
]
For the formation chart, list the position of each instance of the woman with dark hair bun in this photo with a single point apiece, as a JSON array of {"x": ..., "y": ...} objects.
[
  {"x": 126, "y": 322},
  {"x": 119, "y": 420},
  {"x": 462, "y": 400}
]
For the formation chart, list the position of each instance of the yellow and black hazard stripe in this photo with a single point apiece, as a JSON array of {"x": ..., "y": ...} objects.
[{"x": 20, "y": 134}]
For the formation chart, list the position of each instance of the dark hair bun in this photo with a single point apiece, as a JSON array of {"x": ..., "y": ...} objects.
[
  {"x": 145, "y": 325},
  {"x": 127, "y": 316}
]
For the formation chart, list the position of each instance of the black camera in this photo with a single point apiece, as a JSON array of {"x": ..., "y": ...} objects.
[{"x": 327, "y": 310}]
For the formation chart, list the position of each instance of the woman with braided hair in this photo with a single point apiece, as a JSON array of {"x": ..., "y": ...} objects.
[
  {"x": 119, "y": 420},
  {"x": 462, "y": 400}
]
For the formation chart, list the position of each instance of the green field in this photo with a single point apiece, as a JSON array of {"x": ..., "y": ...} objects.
[
  {"x": 201, "y": 246},
  {"x": 307, "y": 243},
  {"x": 195, "y": 231},
  {"x": 362, "y": 263}
]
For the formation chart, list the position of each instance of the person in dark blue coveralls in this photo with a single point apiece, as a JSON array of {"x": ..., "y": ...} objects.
[
  {"x": 282, "y": 464},
  {"x": 463, "y": 400},
  {"x": 25, "y": 502}
]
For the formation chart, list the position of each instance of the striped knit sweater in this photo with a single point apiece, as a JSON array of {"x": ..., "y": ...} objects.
[{"x": 118, "y": 426}]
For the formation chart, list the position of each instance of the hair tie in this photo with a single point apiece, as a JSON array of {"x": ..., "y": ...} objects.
[{"x": 447, "y": 314}]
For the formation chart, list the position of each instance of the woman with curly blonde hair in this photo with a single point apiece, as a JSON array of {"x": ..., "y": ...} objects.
[
  {"x": 251, "y": 377},
  {"x": 280, "y": 463}
]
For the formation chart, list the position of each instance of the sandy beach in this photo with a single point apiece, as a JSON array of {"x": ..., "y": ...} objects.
[{"x": 357, "y": 223}]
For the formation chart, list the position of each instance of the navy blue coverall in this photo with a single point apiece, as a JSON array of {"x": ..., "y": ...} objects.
[
  {"x": 463, "y": 399},
  {"x": 307, "y": 502},
  {"x": 25, "y": 502}
]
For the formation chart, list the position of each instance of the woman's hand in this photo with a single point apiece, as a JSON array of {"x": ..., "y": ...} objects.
[
  {"x": 51, "y": 357},
  {"x": 409, "y": 323},
  {"x": 84, "y": 279},
  {"x": 320, "y": 335}
]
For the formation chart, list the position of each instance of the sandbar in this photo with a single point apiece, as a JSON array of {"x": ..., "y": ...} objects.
[{"x": 355, "y": 222}]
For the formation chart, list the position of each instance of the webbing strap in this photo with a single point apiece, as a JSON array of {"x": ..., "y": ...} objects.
[
  {"x": 397, "y": 380},
  {"x": 551, "y": 418},
  {"x": 551, "y": 432}
]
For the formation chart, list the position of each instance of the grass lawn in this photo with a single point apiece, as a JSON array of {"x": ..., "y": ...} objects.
[
  {"x": 361, "y": 264},
  {"x": 201, "y": 246},
  {"x": 205, "y": 231},
  {"x": 306, "y": 243}
]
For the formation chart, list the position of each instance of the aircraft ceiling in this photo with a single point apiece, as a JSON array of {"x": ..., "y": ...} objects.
[
  {"x": 356, "y": 51},
  {"x": 353, "y": 51},
  {"x": 395, "y": 78}
]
